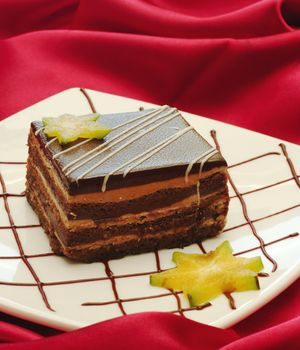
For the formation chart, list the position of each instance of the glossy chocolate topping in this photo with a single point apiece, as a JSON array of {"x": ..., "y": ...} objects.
[{"x": 170, "y": 162}]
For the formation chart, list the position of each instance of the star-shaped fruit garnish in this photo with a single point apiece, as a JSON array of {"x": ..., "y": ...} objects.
[
  {"x": 68, "y": 127},
  {"x": 202, "y": 277}
]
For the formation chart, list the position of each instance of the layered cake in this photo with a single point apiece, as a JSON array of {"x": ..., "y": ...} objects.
[{"x": 153, "y": 182}]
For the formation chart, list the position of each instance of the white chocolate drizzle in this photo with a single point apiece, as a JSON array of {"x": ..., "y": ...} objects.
[
  {"x": 125, "y": 144},
  {"x": 71, "y": 148},
  {"x": 152, "y": 113},
  {"x": 114, "y": 128},
  {"x": 39, "y": 130},
  {"x": 50, "y": 142},
  {"x": 206, "y": 155},
  {"x": 198, "y": 193},
  {"x": 140, "y": 158},
  {"x": 158, "y": 148},
  {"x": 115, "y": 140}
]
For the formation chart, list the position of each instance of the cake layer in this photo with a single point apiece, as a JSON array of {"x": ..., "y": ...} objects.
[
  {"x": 114, "y": 203},
  {"x": 146, "y": 132},
  {"x": 124, "y": 244},
  {"x": 175, "y": 215}
]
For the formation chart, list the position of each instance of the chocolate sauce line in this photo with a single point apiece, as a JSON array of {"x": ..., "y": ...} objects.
[
  {"x": 20, "y": 247},
  {"x": 200, "y": 245},
  {"x": 265, "y": 187},
  {"x": 157, "y": 261},
  {"x": 181, "y": 311},
  {"x": 178, "y": 301},
  {"x": 254, "y": 158},
  {"x": 27, "y": 256},
  {"x": 128, "y": 300},
  {"x": 13, "y": 163},
  {"x": 231, "y": 300},
  {"x": 3, "y": 283},
  {"x": 245, "y": 211},
  {"x": 89, "y": 100},
  {"x": 199, "y": 307},
  {"x": 290, "y": 163},
  {"x": 292, "y": 235},
  {"x": 263, "y": 274},
  {"x": 76, "y": 281},
  {"x": 98, "y": 278},
  {"x": 12, "y": 194},
  {"x": 19, "y": 226},
  {"x": 262, "y": 218},
  {"x": 110, "y": 275}
]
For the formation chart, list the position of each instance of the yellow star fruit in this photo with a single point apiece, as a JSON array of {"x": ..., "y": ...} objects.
[
  {"x": 68, "y": 128},
  {"x": 202, "y": 277}
]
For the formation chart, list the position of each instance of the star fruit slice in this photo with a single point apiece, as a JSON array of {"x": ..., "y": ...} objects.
[
  {"x": 68, "y": 128},
  {"x": 203, "y": 277}
]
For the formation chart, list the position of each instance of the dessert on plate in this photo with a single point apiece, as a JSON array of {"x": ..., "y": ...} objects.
[{"x": 127, "y": 183}]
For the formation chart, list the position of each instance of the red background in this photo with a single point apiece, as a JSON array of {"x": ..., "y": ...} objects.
[{"x": 235, "y": 61}]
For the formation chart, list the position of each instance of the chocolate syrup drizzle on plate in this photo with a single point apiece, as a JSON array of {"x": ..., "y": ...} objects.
[
  {"x": 290, "y": 163},
  {"x": 89, "y": 100},
  {"x": 109, "y": 273},
  {"x": 245, "y": 211},
  {"x": 178, "y": 301},
  {"x": 20, "y": 247}
]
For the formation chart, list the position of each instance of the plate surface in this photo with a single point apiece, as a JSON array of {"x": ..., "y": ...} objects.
[{"x": 263, "y": 182}]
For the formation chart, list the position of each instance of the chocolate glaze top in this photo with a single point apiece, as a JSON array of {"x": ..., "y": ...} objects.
[{"x": 168, "y": 163}]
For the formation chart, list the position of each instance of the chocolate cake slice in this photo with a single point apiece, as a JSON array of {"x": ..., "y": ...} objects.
[{"x": 153, "y": 182}]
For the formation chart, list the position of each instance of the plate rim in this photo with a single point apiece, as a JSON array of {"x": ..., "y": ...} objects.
[{"x": 66, "y": 324}]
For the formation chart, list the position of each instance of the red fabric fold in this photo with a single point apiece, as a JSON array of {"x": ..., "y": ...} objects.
[
  {"x": 283, "y": 336},
  {"x": 145, "y": 330},
  {"x": 239, "y": 66},
  {"x": 152, "y": 19},
  {"x": 237, "y": 61},
  {"x": 10, "y": 333}
]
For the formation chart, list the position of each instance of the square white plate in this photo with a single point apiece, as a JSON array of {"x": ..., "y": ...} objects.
[{"x": 260, "y": 172}]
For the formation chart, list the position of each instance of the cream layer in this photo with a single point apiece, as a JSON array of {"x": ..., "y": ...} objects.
[
  {"x": 121, "y": 239},
  {"x": 115, "y": 195}
]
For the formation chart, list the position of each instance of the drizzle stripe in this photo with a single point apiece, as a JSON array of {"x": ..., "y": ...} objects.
[
  {"x": 206, "y": 155},
  {"x": 39, "y": 130},
  {"x": 50, "y": 142}
]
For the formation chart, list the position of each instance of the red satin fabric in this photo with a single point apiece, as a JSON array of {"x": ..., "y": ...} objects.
[{"x": 236, "y": 60}]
